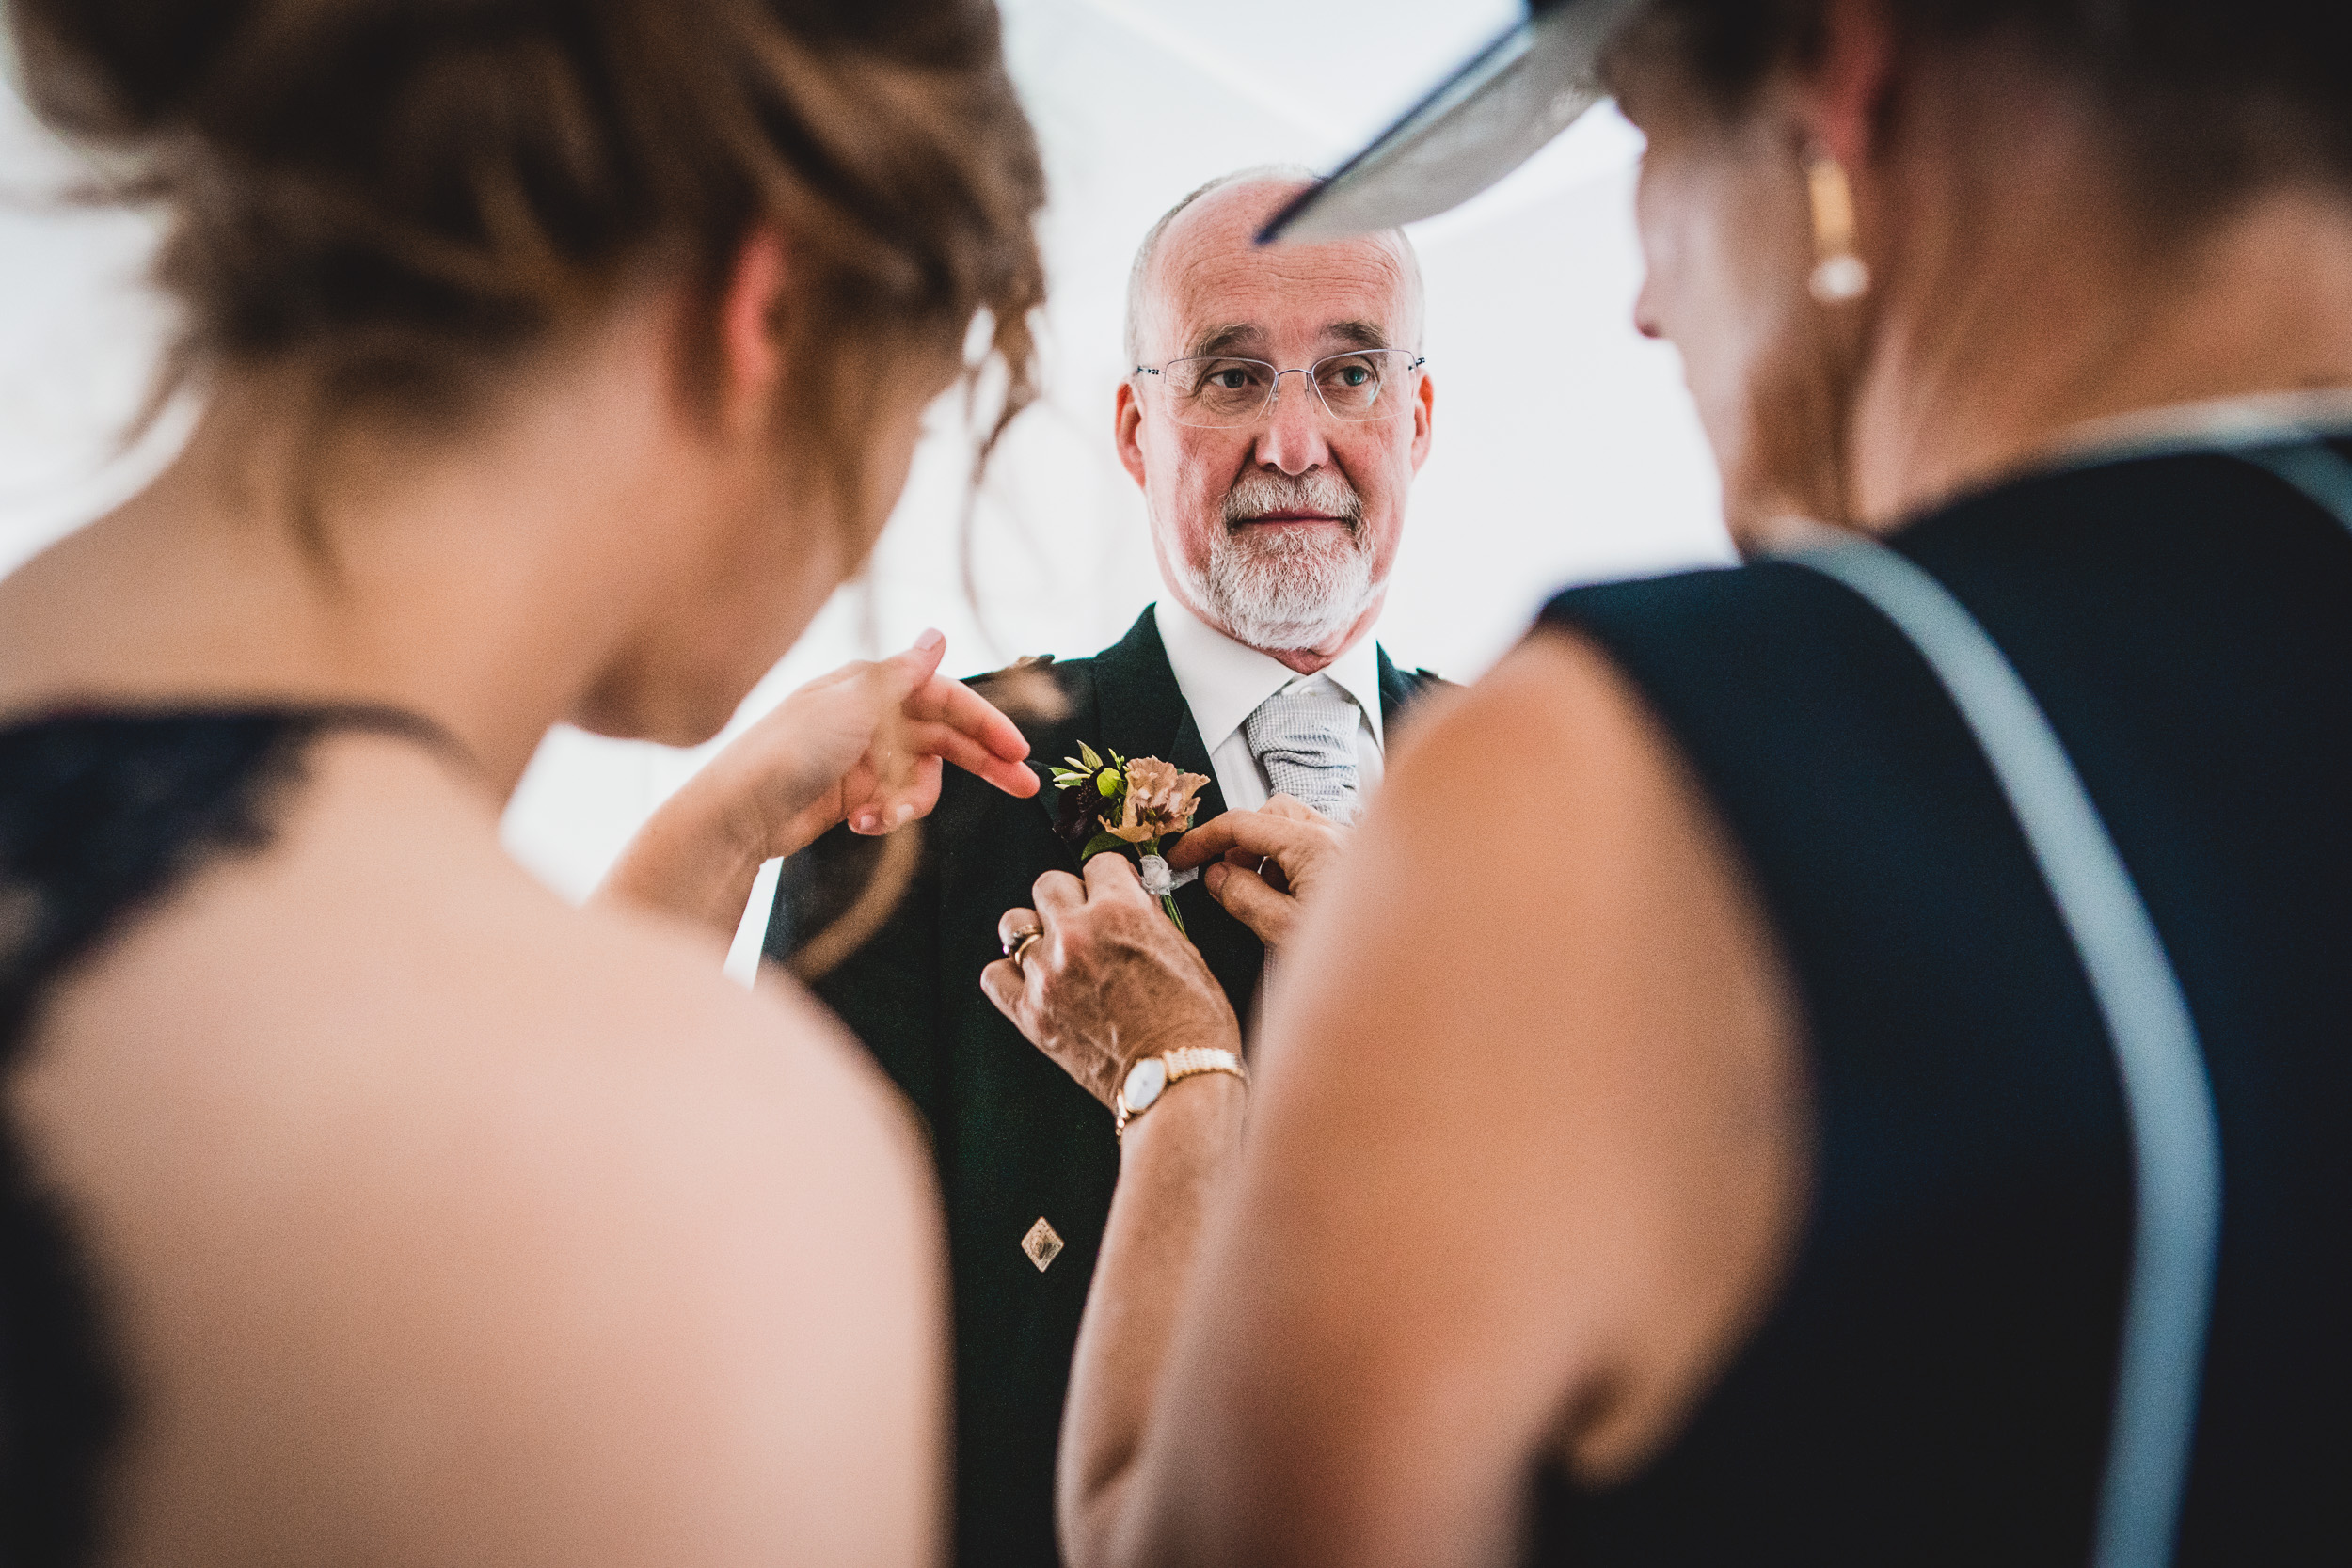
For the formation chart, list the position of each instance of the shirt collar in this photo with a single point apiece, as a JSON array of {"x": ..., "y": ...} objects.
[{"x": 1224, "y": 681}]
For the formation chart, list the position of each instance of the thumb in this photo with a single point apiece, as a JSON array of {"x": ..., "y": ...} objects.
[
  {"x": 919, "y": 663},
  {"x": 1248, "y": 899}
]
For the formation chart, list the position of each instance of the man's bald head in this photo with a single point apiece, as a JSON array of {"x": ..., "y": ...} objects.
[{"x": 1230, "y": 210}]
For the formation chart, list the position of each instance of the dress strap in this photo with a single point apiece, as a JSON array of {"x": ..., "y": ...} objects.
[
  {"x": 2168, "y": 1098},
  {"x": 2312, "y": 467}
]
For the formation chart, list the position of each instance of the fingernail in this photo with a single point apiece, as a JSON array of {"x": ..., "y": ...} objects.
[
  {"x": 1213, "y": 877},
  {"x": 930, "y": 640},
  {"x": 903, "y": 813},
  {"x": 865, "y": 822}
]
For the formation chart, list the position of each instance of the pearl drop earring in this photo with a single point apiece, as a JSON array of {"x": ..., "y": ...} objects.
[{"x": 1840, "y": 275}]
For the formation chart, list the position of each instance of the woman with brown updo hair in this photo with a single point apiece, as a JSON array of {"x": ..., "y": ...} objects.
[
  {"x": 359, "y": 1201},
  {"x": 1841, "y": 1061}
]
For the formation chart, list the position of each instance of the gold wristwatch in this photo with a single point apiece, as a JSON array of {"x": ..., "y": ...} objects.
[{"x": 1149, "y": 1078}]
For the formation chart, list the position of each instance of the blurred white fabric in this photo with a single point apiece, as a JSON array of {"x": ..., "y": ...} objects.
[{"x": 1565, "y": 447}]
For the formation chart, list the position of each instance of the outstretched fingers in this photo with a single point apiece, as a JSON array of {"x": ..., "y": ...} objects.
[
  {"x": 959, "y": 708},
  {"x": 942, "y": 719},
  {"x": 930, "y": 737},
  {"x": 1250, "y": 833}
]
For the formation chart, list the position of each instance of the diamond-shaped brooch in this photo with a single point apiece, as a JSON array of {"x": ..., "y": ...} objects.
[{"x": 1041, "y": 1244}]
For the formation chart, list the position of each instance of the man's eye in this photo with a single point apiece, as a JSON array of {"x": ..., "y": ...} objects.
[{"x": 1228, "y": 381}]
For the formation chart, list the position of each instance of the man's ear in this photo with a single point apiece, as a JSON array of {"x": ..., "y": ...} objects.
[
  {"x": 1126, "y": 429},
  {"x": 1424, "y": 412},
  {"x": 751, "y": 358}
]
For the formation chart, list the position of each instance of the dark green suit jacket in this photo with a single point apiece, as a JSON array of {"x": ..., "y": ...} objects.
[{"x": 1016, "y": 1140}]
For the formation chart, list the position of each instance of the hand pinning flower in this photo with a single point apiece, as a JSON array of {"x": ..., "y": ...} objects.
[{"x": 1109, "y": 804}]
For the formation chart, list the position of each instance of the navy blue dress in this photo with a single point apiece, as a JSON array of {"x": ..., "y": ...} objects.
[
  {"x": 102, "y": 817},
  {"x": 1932, "y": 1383}
]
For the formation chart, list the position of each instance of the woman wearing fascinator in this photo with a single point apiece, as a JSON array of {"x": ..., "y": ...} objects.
[
  {"x": 360, "y": 1202},
  {"x": 1865, "y": 1083}
]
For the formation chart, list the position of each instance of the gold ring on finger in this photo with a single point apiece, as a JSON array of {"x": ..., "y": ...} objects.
[{"x": 1021, "y": 945}]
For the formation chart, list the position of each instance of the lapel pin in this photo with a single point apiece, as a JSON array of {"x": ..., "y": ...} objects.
[{"x": 1041, "y": 1244}]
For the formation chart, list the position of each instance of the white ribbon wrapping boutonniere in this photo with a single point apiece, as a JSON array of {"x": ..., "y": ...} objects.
[{"x": 1116, "y": 804}]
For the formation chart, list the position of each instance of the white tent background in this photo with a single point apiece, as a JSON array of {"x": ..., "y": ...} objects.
[{"x": 1565, "y": 447}]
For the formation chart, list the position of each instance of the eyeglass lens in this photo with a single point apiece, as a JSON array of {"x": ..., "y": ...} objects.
[{"x": 1217, "y": 390}]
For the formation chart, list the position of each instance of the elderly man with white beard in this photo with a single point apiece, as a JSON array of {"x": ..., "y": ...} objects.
[{"x": 1276, "y": 415}]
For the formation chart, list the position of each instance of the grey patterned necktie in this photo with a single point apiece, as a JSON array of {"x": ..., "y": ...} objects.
[{"x": 1304, "y": 736}]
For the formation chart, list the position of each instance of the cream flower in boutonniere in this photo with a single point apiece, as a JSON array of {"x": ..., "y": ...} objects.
[
  {"x": 1158, "y": 803},
  {"x": 1108, "y": 804}
]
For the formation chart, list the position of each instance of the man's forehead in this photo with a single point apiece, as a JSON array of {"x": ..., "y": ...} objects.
[
  {"x": 1254, "y": 337},
  {"x": 1213, "y": 281}
]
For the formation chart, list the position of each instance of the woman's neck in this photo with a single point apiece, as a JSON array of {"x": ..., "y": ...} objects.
[
  {"x": 2026, "y": 301},
  {"x": 485, "y": 590}
]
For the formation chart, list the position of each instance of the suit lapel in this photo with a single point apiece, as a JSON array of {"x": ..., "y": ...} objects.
[
  {"x": 1139, "y": 705},
  {"x": 1397, "y": 690},
  {"x": 1127, "y": 701},
  {"x": 1142, "y": 713}
]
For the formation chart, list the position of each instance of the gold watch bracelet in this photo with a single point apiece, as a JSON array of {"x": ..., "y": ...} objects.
[{"x": 1188, "y": 1061}]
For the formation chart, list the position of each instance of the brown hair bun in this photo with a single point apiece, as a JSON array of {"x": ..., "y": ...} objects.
[{"x": 395, "y": 194}]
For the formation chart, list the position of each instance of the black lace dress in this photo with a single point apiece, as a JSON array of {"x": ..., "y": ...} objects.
[{"x": 102, "y": 817}]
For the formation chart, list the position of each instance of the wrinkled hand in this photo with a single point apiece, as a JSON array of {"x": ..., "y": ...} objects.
[
  {"x": 1112, "y": 980},
  {"x": 827, "y": 754},
  {"x": 1263, "y": 865}
]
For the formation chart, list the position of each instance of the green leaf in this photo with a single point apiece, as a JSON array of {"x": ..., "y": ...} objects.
[
  {"x": 1102, "y": 844},
  {"x": 1088, "y": 760}
]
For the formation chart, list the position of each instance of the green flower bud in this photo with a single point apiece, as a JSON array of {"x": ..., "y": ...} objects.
[{"x": 1107, "y": 782}]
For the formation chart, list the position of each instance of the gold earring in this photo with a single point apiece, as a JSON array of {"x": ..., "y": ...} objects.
[{"x": 1840, "y": 275}]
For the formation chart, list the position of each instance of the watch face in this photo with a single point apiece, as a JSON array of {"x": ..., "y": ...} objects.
[{"x": 1145, "y": 1079}]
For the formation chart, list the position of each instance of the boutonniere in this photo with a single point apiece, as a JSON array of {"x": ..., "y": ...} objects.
[{"x": 1116, "y": 804}]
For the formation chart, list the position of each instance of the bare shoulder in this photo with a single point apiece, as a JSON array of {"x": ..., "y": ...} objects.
[
  {"x": 1542, "y": 972},
  {"x": 410, "y": 1181}
]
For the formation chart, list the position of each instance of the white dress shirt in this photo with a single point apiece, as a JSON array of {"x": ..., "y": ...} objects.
[{"x": 1224, "y": 681}]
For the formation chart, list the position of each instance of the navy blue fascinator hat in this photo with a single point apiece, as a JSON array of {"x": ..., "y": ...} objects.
[{"x": 1480, "y": 123}]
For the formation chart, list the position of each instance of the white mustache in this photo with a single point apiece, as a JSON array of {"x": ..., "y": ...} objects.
[{"x": 1258, "y": 493}]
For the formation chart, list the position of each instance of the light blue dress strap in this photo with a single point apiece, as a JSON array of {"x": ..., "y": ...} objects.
[
  {"x": 2317, "y": 471},
  {"x": 2168, "y": 1100}
]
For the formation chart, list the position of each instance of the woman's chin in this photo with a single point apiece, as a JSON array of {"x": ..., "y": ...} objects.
[{"x": 668, "y": 718}]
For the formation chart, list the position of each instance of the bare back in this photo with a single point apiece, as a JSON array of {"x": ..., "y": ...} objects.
[{"x": 434, "y": 1221}]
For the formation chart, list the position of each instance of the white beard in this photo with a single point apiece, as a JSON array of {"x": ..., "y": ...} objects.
[{"x": 1287, "y": 588}]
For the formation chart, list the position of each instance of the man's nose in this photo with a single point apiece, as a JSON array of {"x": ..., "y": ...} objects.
[{"x": 1293, "y": 440}]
